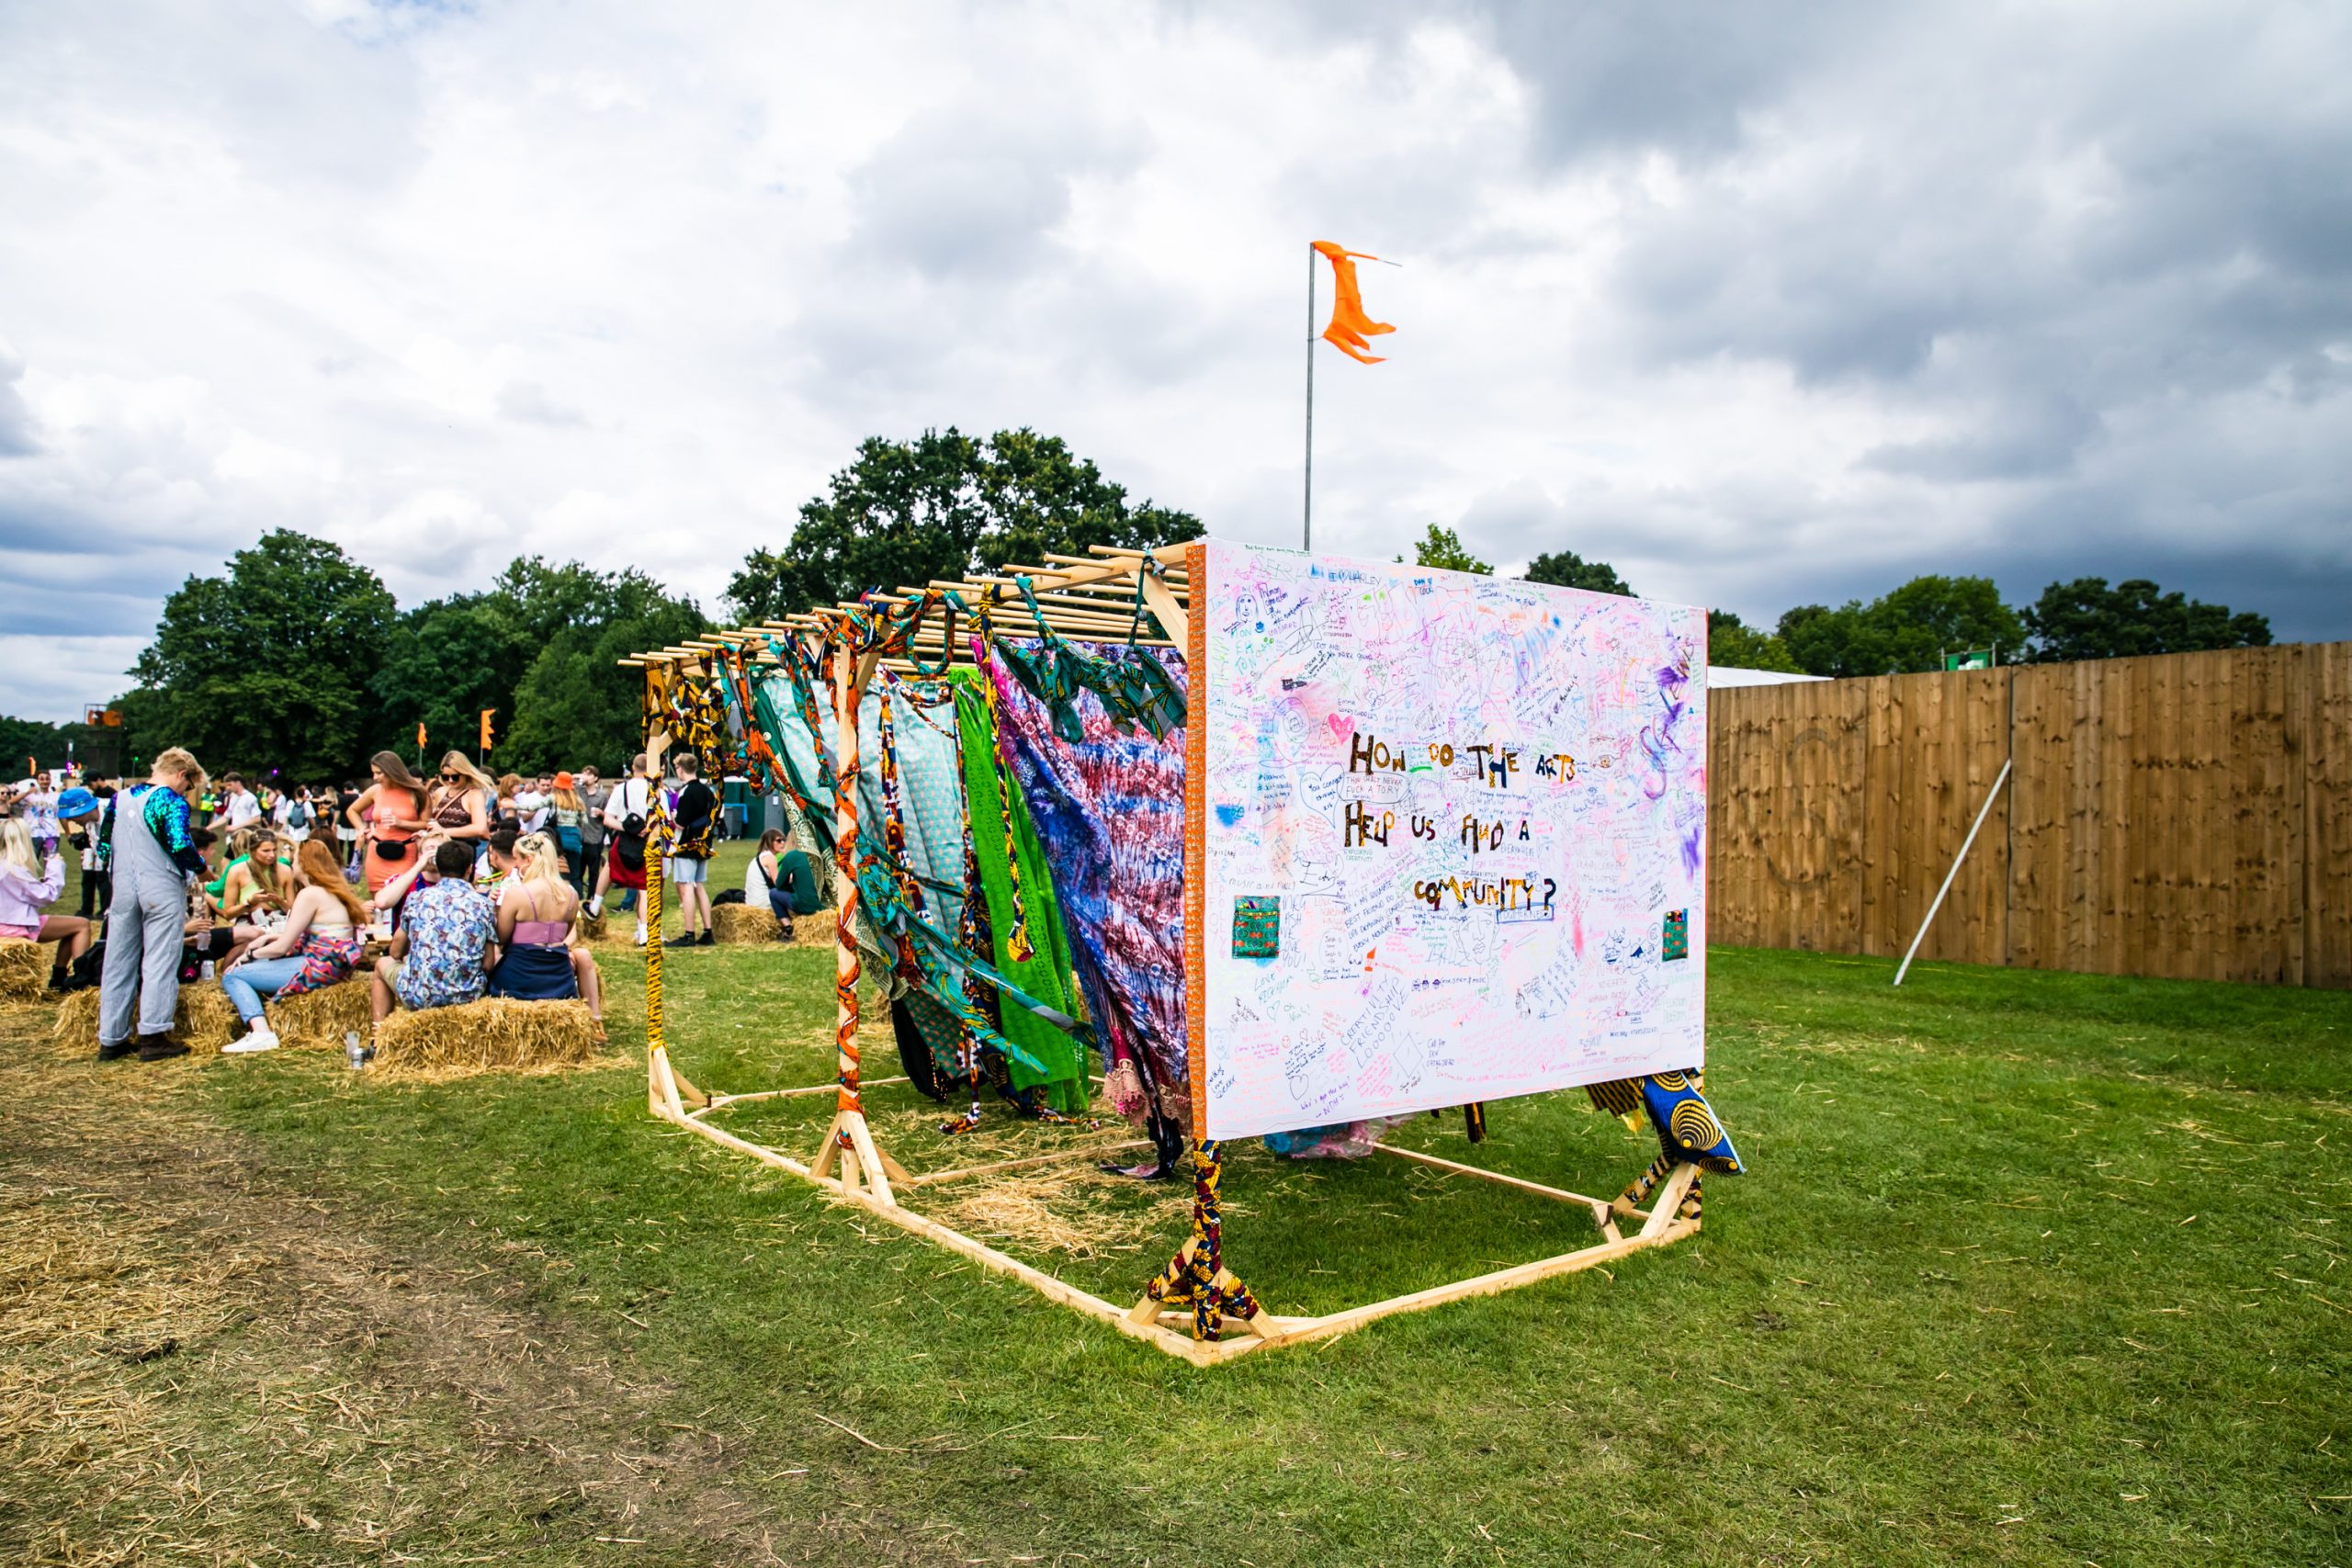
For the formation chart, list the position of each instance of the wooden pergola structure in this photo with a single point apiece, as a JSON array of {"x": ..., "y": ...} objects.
[{"x": 1100, "y": 597}]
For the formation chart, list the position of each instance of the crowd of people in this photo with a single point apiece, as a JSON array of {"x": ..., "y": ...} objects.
[{"x": 446, "y": 888}]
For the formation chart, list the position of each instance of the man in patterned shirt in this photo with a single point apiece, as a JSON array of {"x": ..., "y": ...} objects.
[
  {"x": 152, "y": 856},
  {"x": 442, "y": 955}
]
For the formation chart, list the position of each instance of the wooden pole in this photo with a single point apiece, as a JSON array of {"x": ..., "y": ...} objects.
[{"x": 1990, "y": 796}]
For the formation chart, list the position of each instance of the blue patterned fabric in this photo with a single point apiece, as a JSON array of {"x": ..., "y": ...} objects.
[{"x": 1110, "y": 812}]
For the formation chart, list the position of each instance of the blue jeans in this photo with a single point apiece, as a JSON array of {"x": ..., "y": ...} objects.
[{"x": 256, "y": 978}]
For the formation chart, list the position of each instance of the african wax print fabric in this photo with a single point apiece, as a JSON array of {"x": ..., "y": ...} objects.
[
  {"x": 1045, "y": 973},
  {"x": 1109, "y": 810}
]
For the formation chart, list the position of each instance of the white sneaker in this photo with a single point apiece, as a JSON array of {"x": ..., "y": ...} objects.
[
  {"x": 595, "y": 908},
  {"x": 262, "y": 1039},
  {"x": 640, "y": 934}
]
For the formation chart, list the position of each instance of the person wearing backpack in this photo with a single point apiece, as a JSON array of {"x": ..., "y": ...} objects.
[
  {"x": 294, "y": 814},
  {"x": 626, "y": 811}
]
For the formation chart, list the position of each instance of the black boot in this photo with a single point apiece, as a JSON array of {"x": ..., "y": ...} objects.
[
  {"x": 159, "y": 1048},
  {"x": 118, "y": 1050}
]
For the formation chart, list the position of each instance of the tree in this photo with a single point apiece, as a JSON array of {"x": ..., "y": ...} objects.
[
  {"x": 1442, "y": 548},
  {"x": 2086, "y": 619},
  {"x": 1566, "y": 568},
  {"x": 269, "y": 666},
  {"x": 446, "y": 661},
  {"x": 1908, "y": 629},
  {"x": 943, "y": 505},
  {"x": 1734, "y": 645},
  {"x": 43, "y": 744},
  {"x": 575, "y": 705}
]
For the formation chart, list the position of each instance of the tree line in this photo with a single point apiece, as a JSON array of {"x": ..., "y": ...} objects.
[
  {"x": 1912, "y": 628},
  {"x": 297, "y": 657}
]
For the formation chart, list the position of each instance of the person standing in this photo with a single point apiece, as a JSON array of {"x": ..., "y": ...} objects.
[
  {"x": 566, "y": 812},
  {"x": 626, "y": 811},
  {"x": 462, "y": 801},
  {"x": 594, "y": 792},
  {"x": 238, "y": 803},
  {"x": 93, "y": 824},
  {"x": 152, "y": 857},
  {"x": 392, "y": 810},
  {"x": 697, "y": 819}
]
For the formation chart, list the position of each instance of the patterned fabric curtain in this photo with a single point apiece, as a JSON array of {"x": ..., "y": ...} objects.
[{"x": 1109, "y": 810}]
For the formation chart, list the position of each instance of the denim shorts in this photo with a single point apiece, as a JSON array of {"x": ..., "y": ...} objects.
[{"x": 684, "y": 870}]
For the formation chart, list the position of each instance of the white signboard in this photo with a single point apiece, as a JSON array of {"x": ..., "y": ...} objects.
[{"x": 1448, "y": 834}]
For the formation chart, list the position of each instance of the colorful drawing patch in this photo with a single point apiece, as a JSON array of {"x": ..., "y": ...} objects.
[
  {"x": 1677, "y": 942},
  {"x": 1256, "y": 927}
]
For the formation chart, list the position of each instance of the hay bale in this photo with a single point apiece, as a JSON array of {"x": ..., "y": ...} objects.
[
  {"x": 492, "y": 1036},
  {"x": 24, "y": 971},
  {"x": 746, "y": 923},
  {"x": 203, "y": 1020},
  {"x": 742, "y": 923},
  {"x": 322, "y": 1017}
]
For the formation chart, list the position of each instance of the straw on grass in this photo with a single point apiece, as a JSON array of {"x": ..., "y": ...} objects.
[
  {"x": 492, "y": 1036},
  {"x": 24, "y": 971},
  {"x": 203, "y": 1020},
  {"x": 1073, "y": 1209}
]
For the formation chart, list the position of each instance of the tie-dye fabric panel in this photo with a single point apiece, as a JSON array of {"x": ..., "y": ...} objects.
[{"x": 1110, "y": 812}]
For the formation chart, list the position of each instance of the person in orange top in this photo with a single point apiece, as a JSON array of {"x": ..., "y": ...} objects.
[{"x": 390, "y": 813}]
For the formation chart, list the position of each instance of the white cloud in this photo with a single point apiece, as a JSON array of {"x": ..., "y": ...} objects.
[{"x": 1785, "y": 306}]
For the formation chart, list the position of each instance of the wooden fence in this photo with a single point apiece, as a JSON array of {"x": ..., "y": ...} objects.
[{"x": 2188, "y": 816}]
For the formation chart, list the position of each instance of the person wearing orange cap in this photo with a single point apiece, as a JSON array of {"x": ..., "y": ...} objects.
[{"x": 566, "y": 811}]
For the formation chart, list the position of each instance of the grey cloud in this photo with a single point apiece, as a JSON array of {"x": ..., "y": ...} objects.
[
  {"x": 16, "y": 438},
  {"x": 2039, "y": 437},
  {"x": 974, "y": 191}
]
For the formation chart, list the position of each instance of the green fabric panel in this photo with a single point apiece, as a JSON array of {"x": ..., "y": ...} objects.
[{"x": 1047, "y": 976}]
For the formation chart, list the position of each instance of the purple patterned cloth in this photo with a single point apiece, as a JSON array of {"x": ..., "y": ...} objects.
[{"x": 1110, "y": 815}]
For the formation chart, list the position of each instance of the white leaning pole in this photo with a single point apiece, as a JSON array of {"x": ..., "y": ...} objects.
[{"x": 1991, "y": 795}]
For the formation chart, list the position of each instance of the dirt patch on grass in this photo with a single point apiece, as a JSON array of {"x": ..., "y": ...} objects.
[{"x": 198, "y": 1362}]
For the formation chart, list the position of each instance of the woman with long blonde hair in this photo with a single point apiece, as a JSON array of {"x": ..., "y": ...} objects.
[
  {"x": 461, "y": 797},
  {"x": 29, "y": 883},
  {"x": 538, "y": 914},
  {"x": 325, "y": 932}
]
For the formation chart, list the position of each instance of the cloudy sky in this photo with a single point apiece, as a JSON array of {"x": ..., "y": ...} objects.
[{"x": 1764, "y": 303}]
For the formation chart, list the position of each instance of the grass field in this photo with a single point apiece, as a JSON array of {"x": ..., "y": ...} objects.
[{"x": 2030, "y": 1268}]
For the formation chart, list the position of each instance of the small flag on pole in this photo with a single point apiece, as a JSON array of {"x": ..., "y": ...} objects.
[
  {"x": 420, "y": 735},
  {"x": 1350, "y": 329}
]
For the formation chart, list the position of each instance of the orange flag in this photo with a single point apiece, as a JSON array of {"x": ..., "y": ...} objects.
[{"x": 1349, "y": 326}]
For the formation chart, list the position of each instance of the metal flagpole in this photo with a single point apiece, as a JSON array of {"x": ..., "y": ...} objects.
[{"x": 1307, "y": 533}]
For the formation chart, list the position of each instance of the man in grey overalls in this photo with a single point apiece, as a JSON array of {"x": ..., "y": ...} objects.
[{"x": 152, "y": 859}]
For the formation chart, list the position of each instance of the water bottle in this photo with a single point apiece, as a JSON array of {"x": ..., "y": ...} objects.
[
  {"x": 204, "y": 971},
  {"x": 355, "y": 1052}
]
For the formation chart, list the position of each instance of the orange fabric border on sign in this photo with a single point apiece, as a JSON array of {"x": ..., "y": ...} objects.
[{"x": 1197, "y": 813}]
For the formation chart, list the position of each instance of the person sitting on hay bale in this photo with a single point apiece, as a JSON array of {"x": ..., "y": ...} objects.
[
  {"x": 781, "y": 877},
  {"x": 538, "y": 916},
  {"x": 442, "y": 953},
  {"x": 320, "y": 940},
  {"x": 28, "y": 887}
]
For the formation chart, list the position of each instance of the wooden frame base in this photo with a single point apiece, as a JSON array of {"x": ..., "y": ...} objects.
[{"x": 868, "y": 1179}]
